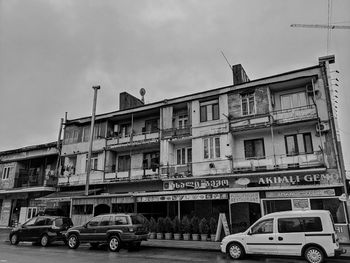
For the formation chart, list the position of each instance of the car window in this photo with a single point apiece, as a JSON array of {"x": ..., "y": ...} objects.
[
  {"x": 105, "y": 221},
  {"x": 30, "y": 222},
  {"x": 120, "y": 220},
  {"x": 43, "y": 221},
  {"x": 94, "y": 222},
  {"x": 289, "y": 225},
  {"x": 63, "y": 222},
  {"x": 263, "y": 227},
  {"x": 312, "y": 224},
  {"x": 138, "y": 219}
]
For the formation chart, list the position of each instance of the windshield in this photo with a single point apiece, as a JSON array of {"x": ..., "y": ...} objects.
[{"x": 138, "y": 219}]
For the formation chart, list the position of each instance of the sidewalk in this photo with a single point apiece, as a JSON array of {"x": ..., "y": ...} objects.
[{"x": 174, "y": 244}]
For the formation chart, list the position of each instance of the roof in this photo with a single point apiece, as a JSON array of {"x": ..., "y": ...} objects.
[
  {"x": 298, "y": 213},
  {"x": 30, "y": 148},
  {"x": 198, "y": 95}
]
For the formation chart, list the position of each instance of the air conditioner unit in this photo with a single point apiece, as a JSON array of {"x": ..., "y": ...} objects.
[{"x": 322, "y": 127}]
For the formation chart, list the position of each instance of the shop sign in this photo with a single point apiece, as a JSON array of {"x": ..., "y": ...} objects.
[
  {"x": 342, "y": 232},
  {"x": 161, "y": 198},
  {"x": 295, "y": 179},
  {"x": 196, "y": 184},
  {"x": 300, "y": 204},
  {"x": 251, "y": 197},
  {"x": 300, "y": 193}
]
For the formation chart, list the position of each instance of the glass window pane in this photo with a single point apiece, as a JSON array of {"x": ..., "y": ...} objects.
[
  {"x": 289, "y": 225},
  {"x": 217, "y": 147},
  {"x": 259, "y": 148},
  {"x": 263, "y": 227},
  {"x": 333, "y": 205},
  {"x": 189, "y": 155},
  {"x": 308, "y": 143},
  {"x": 251, "y": 105},
  {"x": 248, "y": 149},
  {"x": 203, "y": 113},
  {"x": 211, "y": 148},
  {"x": 285, "y": 102},
  {"x": 206, "y": 150},
  {"x": 178, "y": 156},
  {"x": 244, "y": 107},
  {"x": 183, "y": 157},
  {"x": 312, "y": 224},
  {"x": 215, "y": 111},
  {"x": 291, "y": 145}
]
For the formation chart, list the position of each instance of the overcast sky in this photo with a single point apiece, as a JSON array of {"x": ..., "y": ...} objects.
[{"x": 53, "y": 51}]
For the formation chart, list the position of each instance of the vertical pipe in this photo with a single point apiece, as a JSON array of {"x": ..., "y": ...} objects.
[{"x": 96, "y": 88}]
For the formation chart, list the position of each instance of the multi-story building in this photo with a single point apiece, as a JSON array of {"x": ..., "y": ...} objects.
[
  {"x": 251, "y": 148},
  {"x": 26, "y": 174}
]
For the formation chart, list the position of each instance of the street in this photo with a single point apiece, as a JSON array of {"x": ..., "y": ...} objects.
[{"x": 26, "y": 253}]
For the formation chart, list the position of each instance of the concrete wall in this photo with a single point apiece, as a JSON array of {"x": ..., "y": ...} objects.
[{"x": 10, "y": 181}]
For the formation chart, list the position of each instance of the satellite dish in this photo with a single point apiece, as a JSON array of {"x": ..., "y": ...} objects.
[{"x": 142, "y": 92}]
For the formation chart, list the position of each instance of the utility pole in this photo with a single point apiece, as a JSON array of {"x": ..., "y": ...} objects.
[{"x": 88, "y": 168}]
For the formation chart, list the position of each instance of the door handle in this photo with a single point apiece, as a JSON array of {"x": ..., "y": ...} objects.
[
  {"x": 270, "y": 238},
  {"x": 280, "y": 238}
]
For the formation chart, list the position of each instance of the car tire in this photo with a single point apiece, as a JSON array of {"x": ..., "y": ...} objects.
[
  {"x": 314, "y": 255},
  {"x": 94, "y": 245},
  {"x": 14, "y": 240},
  {"x": 114, "y": 243},
  {"x": 235, "y": 251},
  {"x": 44, "y": 240},
  {"x": 73, "y": 241}
]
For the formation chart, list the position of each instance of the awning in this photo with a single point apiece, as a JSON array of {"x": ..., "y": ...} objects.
[
  {"x": 66, "y": 196},
  {"x": 28, "y": 190}
]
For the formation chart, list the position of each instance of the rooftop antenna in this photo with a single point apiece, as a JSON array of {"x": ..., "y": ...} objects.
[
  {"x": 227, "y": 62},
  {"x": 142, "y": 93}
]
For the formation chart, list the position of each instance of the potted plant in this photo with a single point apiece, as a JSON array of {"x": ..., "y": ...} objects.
[
  {"x": 195, "y": 228},
  {"x": 213, "y": 224},
  {"x": 185, "y": 222},
  {"x": 152, "y": 228},
  {"x": 204, "y": 229},
  {"x": 177, "y": 228},
  {"x": 160, "y": 228},
  {"x": 168, "y": 227}
]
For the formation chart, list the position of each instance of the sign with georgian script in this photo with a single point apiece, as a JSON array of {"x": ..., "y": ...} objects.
[
  {"x": 196, "y": 184},
  {"x": 301, "y": 193},
  {"x": 249, "y": 197},
  {"x": 165, "y": 198}
]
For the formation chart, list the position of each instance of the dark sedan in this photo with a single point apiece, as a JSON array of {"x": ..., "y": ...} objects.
[{"x": 42, "y": 230}]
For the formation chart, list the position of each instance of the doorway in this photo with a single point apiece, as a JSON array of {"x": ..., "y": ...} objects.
[{"x": 102, "y": 209}]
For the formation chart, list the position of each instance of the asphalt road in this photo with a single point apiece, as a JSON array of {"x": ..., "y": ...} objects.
[{"x": 26, "y": 253}]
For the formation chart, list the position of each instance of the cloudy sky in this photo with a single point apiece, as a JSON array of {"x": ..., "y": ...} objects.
[{"x": 53, "y": 51}]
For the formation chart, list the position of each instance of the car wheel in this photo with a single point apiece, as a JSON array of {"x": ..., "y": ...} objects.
[
  {"x": 235, "y": 251},
  {"x": 14, "y": 239},
  {"x": 114, "y": 243},
  {"x": 44, "y": 240},
  {"x": 314, "y": 255},
  {"x": 94, "y": 245},
  {"x": 73, "y": 241}
]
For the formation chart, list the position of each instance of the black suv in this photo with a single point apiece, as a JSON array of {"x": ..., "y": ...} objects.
[
  {"x": 114, "y": 229},
  {"x": 41, "y": 229}
]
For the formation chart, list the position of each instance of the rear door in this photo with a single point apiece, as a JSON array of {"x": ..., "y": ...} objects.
[
  {"x": 262, "y": 239},
  {"x": 290, "y": 236},
  {"x": 103, "y": 227}
]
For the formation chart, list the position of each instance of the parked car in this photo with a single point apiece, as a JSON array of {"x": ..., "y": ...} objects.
[
  {"x": 41, "y": 229},
  {"x": 292, "y": 233},
  {"x": 114, "y": 229}
]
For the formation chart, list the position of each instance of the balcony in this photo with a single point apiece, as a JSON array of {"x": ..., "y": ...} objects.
[
  {"x": 96, "y": 177},
  {"x": 254, "y": 122},
  {"x": 33, "y": 178},
  {"x": 176, "y": 171},
  {"x": 279, "y": 162},
  {"x": 136, "y": 174},
  {"x": 144, "y": 138},
  {"x": 295, "y": 114},
  {"x": 177, "y": 132}
]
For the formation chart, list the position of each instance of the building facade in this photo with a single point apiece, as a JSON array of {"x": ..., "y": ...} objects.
[
  {"x": 245, "y": 150},
  {"x": 26, "y": 174}
]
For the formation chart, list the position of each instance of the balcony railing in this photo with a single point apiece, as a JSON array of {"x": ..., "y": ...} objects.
[
  {"x": 33, "y": 178},
  {"x": 279, "y": 162},
  {"x": 176, "y": 171},
  {"x": 136, "y": 138},
  {"x": 252, "y": 122},
  {"x": 177, "y": 132},
  {"x": 295, "y": 114},
  {"x": 96, "y": 177},
  {"x": 135, "y": 174}
]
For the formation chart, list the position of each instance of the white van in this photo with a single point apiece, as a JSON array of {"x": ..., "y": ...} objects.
[{"x": 308, "y": 233}]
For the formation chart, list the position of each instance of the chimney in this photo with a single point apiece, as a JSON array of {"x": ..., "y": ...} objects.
[
  {"x": 239, "y": 75},
  {"x": 128, "y": 101}
]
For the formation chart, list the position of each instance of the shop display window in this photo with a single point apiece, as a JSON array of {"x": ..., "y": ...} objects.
[{"x": 334, "y": 206}]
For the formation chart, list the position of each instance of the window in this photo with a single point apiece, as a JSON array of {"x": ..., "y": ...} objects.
[
  {"x": 121, "y": 220},
  {"x": 254, "y": 149},
  {"x": 312, "y": 224},
  {"x": 125, "y": 130},
  {"x": 150, "y": 160},
  {"x": 333, "y": 205},
  {"x": 308, "y": 148},
  {"x": 294, "y": 100},
  {"x": 82, "y": 209},
  {"x": 94, "y": 222},
  {"x": 6, "y": 172},
  {"x": 106, "y": 220},
  {"x": 30, "y": 222},
  {"x": 124, "y": 163},
  {"x": 263, "y": 227},
  {"x": 94, "y": 161},
  {"x": 209, "y": 110},
  {"x": 291, "y": 144},
  {"x": 86, "y": 133},
  {"x": 182, "y": 122},
  {"x": 248, "y": 104},
  {"x": 183, "y": 155},
  {"x": 211, "y": 147},
  {"x": 288, "y": 225},
  {"x": 151, "y": 126},
  {"x": 42, "y": 221}
]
